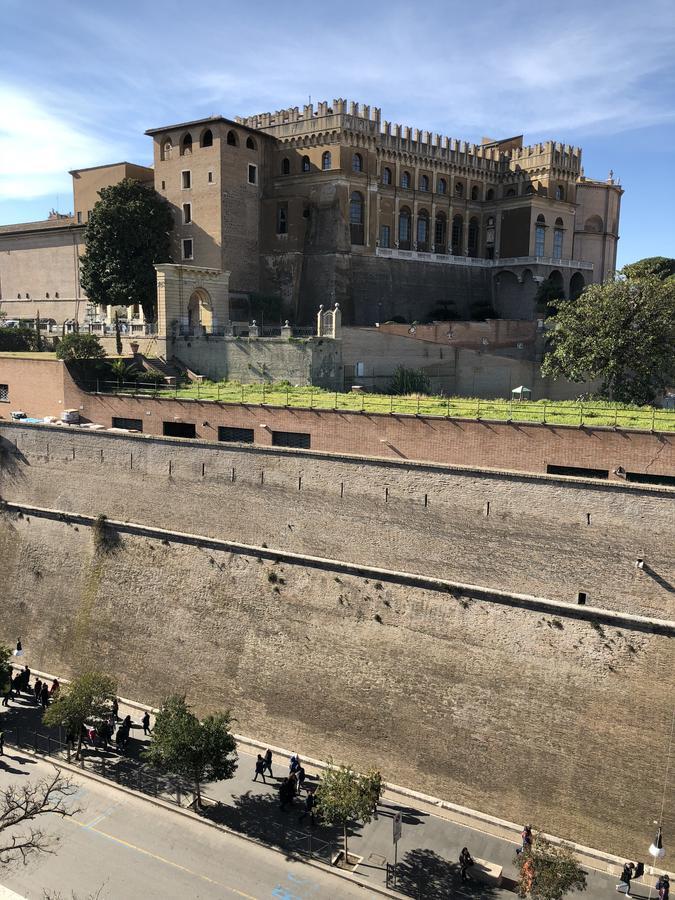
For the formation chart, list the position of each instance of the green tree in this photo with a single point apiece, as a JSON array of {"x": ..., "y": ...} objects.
[
  {"x": 86, "y": 700},
  {"x": 18, "y": 339},
  {"x": 661, "y": 267},
  {"x": 623, "y": 332},
  {"x": 548, "y": 871},
  {"x": 38, "y": 333},
  {"x": 198, "y": 751},
  {"x": 344, "y": 796},
  {"x": 5, "y": 667},
  {"x": 409, "y": 381},
  {"x": 78, "y": 346},
  {"x": 127, "y": 233}
]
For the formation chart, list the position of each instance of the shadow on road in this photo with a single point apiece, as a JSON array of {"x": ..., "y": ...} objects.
[{"x": 423, "y": 873}]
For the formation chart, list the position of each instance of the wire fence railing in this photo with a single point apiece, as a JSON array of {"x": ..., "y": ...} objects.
[{"x": 579, "y": 413}]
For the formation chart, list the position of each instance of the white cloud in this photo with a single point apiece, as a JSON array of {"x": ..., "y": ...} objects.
[{"x": 38, "y": 146}]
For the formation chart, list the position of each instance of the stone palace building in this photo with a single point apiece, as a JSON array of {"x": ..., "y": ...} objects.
[{"x": 330, "y": 204}]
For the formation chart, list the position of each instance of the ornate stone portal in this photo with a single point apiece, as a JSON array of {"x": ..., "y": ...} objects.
[{"x": 191, "y": 299}]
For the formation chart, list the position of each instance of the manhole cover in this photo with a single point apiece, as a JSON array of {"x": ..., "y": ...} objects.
[{"x": 378, "y": 860}]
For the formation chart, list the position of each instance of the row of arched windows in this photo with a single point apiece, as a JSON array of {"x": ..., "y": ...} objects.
[
  {"x": 47, "y": 297},
  {"x": 205, "y": 140},
  {"x": 306, "y": 163}
]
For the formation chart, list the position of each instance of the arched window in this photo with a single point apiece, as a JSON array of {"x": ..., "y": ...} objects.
[
  {"x": 306, "y": 165},
  {"x": 250, "y": 143},
  {"x": 357, "y": 163},
  {"x": 457, "y": 231},
  {"x": 475, "y": 192},
  {"x": 558, "y": 237},
  {"x": 57, "y": 295},
  {"x": 47, "y": 296},
  {"x": 540, "y": 236},
  {"x": 326, "y": 161},
  {"x": 560, "y": 192},
  {"x": 442, "y": 186},
  {"x": 424, "y": 182},
  {"x": 386, "y": 176},
  {"x": 490, "y": 194},
  {"x": 232, "y": 139},
  {"x": 18, "y": 296},
  {"x": 423, "y": 230},
  {"x": 473, "y": 237},
  {"x": 285, "y": 166},
  {"x": 186, "y": 145},
  {"x": 440, "y": 233},
  {"x": 404, "y": 229},
  {"x": 459, "y": 189},
  {"x": 490, "y": 238},
  {"x": 167, "y": 149},
  {"x": 511, "y": 192},
  {"x": 405, "y": 180},
  {"x": 207, "y": 138},
  {"x": 356, "y": 217}
]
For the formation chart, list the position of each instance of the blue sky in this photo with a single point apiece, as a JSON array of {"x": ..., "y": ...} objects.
[{"x": 81, "y": 81}]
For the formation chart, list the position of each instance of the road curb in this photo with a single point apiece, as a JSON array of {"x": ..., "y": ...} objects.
[{"x": 188, "y": 814}]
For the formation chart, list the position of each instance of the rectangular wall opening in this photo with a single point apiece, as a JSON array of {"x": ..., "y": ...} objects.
[
  {"x": 291, "y": 439},
  {"x": 577, "y": 471},
  {"x": 646, "y": 478},
  {"x": 130, "y": 424},
  {"x": 179, "y": 429},
  {"x": 235, "y": 435}
]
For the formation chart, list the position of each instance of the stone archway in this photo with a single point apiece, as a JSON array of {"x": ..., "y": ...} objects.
[
  {"x": 200, "y": 310},
  {"x": 577, "y": 284}
]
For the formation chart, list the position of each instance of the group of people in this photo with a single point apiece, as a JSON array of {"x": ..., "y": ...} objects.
[
  {"x": 633, "y": 871},
  {"x": 41, "y": 692}
]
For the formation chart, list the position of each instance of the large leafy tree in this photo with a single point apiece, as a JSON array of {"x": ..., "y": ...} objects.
[
  {"x": 622, "y": 332},
  {"x": 127, "y": 233},
  {"x": 344, "y": 796},
  {"x": 198, "y": 751},
  {"x": 662, "y": 267},
  {"x": 74, "y": 347},
  {"x": 86, "y": 700},
  {"x": 548, "y": 871}
]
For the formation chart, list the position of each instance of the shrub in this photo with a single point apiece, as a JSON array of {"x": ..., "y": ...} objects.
[
  {"x": 76, "y": 346},
  {"x": 17, "y": 340},
  {"x": 410, "y": 381}
]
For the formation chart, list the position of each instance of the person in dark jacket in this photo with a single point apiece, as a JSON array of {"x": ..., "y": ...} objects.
[
  {"x": 663, "y": 887},
  {"x": 310, "y": 804},
  {"x": 626, "y": 876},
  {"x": 268, "y": 762},
  {"x": 260, "y": 769},
  {"x": 37, "y": 690},
  {"x": 465, "y": 863}
]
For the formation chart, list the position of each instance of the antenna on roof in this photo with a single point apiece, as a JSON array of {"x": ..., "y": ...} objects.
[{"x": 310, "y": 99}]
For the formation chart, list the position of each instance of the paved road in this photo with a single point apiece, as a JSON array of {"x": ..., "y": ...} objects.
[{"x": 130, "y": 849}]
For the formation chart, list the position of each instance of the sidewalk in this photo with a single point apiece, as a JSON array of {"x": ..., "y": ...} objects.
[{"x": 427, "y": 852}]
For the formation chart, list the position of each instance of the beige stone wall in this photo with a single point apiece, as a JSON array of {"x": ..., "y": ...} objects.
[
  {"x": 88, "y": 182},
  {"x": 597, "y": 226},
  {"x": 517, "y": 712},
  {"x": 40, "y": 263}
]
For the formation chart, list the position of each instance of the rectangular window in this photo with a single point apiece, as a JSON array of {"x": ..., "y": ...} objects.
[
  {"x": 577, "y": 471},
  {"x": 638, "y": 477},
  {"x": 291, "y": 439},
  {"x": 558, "y": 243},
  {"x": 163, "y": 185},
  {"x": 282, "y": 218},
  {"x": 187, "y": 213},
  {"x": 187, "y": 248},
  {"x": 235, "y": 435},
  {"x": 360, "y": 369},
  {"x": 186, "y": 179},
  {"x": 179, "y": 429},
  {"x": 210, "y": 178},
  {"x": 539, "y": 239},
  {"x": 385, "y": 236},
  {"x": 79, "y": 218},
  {"x": 4, "y": 393},
  {"x": 252, "y": 174},
  {"x": 130, "y": 424}
]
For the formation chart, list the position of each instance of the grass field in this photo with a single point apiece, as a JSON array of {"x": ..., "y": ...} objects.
[{"x": 570, "y": 412}]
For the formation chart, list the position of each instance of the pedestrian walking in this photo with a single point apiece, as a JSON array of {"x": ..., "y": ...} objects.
[
  {"x": 145, "y": 722},
  {"x": 293, "y": 764},
  {"x": 55, "y": 688},
  {"x": 7, "y": 696},
  {"x": 37, "y": 690},
  {"x": 286, "y": 793},
  {"x": 663, "y": 887},
  {"x": 268, "y": 762},
  {"x": 526, "y": 838},
  {"x": 465, "y": 863},
  {"x": 44, "y": 695},
  {"x": 623, "y": 887},
  {"x": 310, "y": 803},
  {"x": 260, "y": 769},
  {"x": 115, "y": 709},
  {"x": 639, "y": 871},
  {"x": 300, "y": 775}
]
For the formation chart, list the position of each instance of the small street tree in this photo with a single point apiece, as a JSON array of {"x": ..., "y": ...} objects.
[
  {"x": 87, "y": 699},
  {"x": 75, "y": 347},
  {"x": 21, "y": 805},
  {"x": 344, "y": 796},
  {"x": 198, "y": 751},
  {"x": 127, "y": 233},
  {"x": 622, "y": 332},
  {"x": 548, "y": 871}
]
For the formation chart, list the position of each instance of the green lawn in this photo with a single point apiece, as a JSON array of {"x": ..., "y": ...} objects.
[
  {"x": 29, "y": 354},
  {"x": 571, "y": 412}
]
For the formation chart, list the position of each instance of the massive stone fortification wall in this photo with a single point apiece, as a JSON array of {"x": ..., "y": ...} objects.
[
  {"x": 519, "y": 713},
  {"x": 531, "y": 534}
]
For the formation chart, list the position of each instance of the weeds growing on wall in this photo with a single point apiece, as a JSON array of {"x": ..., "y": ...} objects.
[{"x": 106, "y": 539}]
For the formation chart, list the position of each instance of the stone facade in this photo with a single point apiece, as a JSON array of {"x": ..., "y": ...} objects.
[{"x": 497, "y": 705}]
